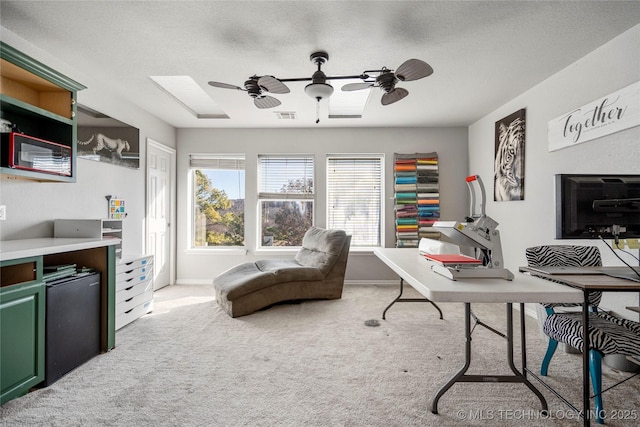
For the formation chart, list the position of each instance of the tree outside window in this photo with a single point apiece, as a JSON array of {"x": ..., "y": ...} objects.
[
  {"x": 218, "y": 201},
  {"x": 286, "y": 199}
]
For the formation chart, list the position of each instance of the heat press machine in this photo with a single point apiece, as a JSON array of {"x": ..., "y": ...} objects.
[{"x": 478, "y": 232}]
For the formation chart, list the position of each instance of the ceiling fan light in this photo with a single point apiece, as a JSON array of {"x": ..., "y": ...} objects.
[{"x": 319, "y": 90}]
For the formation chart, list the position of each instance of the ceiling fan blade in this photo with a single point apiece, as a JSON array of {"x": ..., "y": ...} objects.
[
  {"x": 225, "y": 85},
  {"x": 395, "y": 95},
  {"x": 266, "y": 102},
  {"x": 356, "y": 86},
  {"x": 413, "y": 69},
  {"x": 273, "y": 85}
]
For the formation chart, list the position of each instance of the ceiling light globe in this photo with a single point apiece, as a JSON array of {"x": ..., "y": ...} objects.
[{"x": 319, "y": 90}]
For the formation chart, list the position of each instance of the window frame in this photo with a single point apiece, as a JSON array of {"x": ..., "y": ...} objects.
[
  {"x": 201, "y": 160},
  {"x": 266, "y": 196},
  {"x": 380, "y": 157}
]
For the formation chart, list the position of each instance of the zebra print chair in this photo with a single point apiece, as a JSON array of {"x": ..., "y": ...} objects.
[{"x": 607, "y": 334}]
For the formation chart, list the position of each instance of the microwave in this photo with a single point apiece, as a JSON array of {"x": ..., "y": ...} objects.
[{"x": 20, "y": 151}]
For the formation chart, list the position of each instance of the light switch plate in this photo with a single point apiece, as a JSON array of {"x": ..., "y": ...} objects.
[{"x": 3, "y": 212}]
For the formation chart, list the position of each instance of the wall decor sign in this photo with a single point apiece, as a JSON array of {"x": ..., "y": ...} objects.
[
  {"x": 612, "y": 113},
  {"x": 116, "y": 209},
  {"x": 508, "y": 173}
]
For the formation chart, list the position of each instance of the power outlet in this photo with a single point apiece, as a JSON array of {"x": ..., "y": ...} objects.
[
  {"x": 620, "y": 245},
  {"x": 3, "y": 212}
]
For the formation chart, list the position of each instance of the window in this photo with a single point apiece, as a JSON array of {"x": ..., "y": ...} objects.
[
  {"x": 217, "y": 200},
  {"x": 354, "y": 197},
  {"x": 285, "y": 196}
]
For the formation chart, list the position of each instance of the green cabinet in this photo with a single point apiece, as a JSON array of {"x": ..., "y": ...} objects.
[
  {"x": 22, "y": 327},
  {"x": 41, "y": 103},
  {"x": 23, "y": 303}
]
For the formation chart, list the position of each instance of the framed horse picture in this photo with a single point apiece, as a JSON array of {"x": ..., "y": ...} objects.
[{"x": 508, "y": 173}]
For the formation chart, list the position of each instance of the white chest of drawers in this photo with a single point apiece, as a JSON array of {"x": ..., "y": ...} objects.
[{"x": 134, "y": 288}]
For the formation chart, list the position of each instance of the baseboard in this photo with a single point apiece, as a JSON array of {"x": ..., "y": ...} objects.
[
  {"x": 372, "y": 282},
  {"x": 530, "y": 310},
  {"x": 191, "y": 282},
  {"x": 194, "y": 282}
]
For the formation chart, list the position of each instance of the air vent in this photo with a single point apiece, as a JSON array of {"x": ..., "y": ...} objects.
[{"x": 286, "y": 115}]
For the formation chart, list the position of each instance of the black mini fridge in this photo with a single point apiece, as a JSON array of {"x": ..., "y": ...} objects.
[{"x": 72, "y": 331}]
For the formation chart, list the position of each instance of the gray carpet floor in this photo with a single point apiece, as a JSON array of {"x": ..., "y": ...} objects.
[{"x": 314, "y": 363}]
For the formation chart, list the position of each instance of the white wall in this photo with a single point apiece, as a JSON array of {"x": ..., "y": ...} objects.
[
  {"x": 449, "y": 143},
  {"x": 532, "y": 221},
  {"x": 31, "y": 206}
]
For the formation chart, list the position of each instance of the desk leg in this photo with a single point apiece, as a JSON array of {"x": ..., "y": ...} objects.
[
  {"x": 523, "y": 349},
  {"x": 400, "y": 299},
  {"x": 523, "y": 340},
  {"x": 467, "y": 359},
  {"x": 586, "y": 415},
  {"x": 517, "y": 377}
]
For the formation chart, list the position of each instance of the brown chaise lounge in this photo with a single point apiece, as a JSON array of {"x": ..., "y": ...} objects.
[{"x": 316, "y": 272}]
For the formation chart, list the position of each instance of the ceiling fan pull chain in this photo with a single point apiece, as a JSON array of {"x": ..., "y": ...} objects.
[{"x": 318, "y": 111}]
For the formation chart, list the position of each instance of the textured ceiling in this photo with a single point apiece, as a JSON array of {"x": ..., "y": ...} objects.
[{"x": 483, "y": 53}]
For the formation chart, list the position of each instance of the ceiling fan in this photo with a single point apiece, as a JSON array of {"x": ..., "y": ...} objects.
[
  {"x": 385, "y": 79},
  {"x": 256, "y": 86},
  {"x": 412, "y": 69}
]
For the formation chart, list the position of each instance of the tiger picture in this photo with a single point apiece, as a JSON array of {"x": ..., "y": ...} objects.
[{"x": 509, "y": 158}]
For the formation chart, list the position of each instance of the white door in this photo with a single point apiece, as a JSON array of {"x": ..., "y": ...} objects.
[{"x": 160, "y": 201}]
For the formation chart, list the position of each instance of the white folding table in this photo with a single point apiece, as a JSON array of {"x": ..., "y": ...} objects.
[{"x": 416, "y": 270}]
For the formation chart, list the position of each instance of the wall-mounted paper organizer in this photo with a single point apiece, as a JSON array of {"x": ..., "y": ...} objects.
[
  {"x": 417, "y": 197},
  {"x": 90, "y": 228}
]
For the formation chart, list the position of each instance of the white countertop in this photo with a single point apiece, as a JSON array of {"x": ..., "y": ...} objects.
[
  {"x": 23, "y": 248},
  {"x": 416, "y": 270}
]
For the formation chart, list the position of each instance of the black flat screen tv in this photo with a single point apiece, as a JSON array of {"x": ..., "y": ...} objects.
[{"x": 594, "y": 206}]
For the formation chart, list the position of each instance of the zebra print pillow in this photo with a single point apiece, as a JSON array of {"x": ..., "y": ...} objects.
[
  {"x": 566, "y": 255},
  {"x": 563, "y": 255}
]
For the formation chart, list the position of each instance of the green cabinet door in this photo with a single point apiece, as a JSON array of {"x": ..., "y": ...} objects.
[{"x": 22, "y": 311}]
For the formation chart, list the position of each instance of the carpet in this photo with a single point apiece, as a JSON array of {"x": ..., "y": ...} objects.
[{"x": 314, "y": 363}]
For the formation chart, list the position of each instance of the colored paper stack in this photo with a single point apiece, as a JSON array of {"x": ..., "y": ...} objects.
[{"x": 417, "y": 198}]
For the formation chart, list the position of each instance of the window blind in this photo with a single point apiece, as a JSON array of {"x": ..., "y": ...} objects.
[
  {"x": 218, "y": 161},
  {"x": 286, "y": 177},
  {"x": 354, "y": 198}
]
